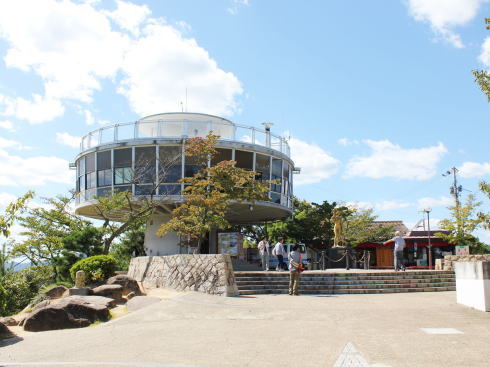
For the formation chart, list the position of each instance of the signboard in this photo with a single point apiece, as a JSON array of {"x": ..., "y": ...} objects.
[
  {"x": 462, "y": 250},
  {"x": 230, "y": 243}
]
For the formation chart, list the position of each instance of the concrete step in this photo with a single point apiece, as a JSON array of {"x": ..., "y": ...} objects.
[
  {"x": 350, "y": 291},
  {"x": 242, "y": 283},
  {"x": 337, "y": 279},
  {"x": 351, "y": 286}
]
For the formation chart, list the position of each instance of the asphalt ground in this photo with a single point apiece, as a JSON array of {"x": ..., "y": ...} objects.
[{"x": 193, "y": 329}]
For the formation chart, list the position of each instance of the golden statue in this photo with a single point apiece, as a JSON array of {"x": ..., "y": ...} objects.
[{"x": 338, "y": 227}]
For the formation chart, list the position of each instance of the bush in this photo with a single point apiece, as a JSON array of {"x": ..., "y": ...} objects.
[
  {"x": 97, "y": 268},
  {"x": 19, "y": 288}
]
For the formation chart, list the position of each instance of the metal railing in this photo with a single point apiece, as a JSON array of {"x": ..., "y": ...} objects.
[{"x": 182, "y": 128}]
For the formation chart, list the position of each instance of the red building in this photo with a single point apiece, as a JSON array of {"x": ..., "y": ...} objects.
[{"x": 416, "y": 253}]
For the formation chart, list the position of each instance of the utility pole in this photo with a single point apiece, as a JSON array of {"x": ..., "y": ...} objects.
[
  {"x": 427, "y": 210},
  {"x": 455, "y": 189}
]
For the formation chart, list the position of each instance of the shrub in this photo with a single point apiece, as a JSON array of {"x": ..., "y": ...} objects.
[
  {"x": 97, "y": 268},
  {"x": 19, "y": 288}
]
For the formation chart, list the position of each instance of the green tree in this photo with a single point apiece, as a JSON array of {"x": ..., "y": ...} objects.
[
  {"x": 210, "y": 192},
  {"x": 463, "y": 221},
  {"x": 130, "y": 244},
  {"x": 44, "y": 228},
  {"x": 360, "y": 227}
]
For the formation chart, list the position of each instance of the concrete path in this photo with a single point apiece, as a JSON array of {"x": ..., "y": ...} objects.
[{"x": 191, "y": 329}]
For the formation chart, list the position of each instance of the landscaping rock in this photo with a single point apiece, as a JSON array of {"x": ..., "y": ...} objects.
[
  {"x": 57, "y": 292},
  {"x": 130, "y": 295},
  {"x": 109, "y": 290},
  {"x": 41, "y": 304},
  {"x": 70, "y": 312},
  {"x": 9, "y": 321},
  {"x": 129, "y": 284},
  {"x": 5, "y": 332}
]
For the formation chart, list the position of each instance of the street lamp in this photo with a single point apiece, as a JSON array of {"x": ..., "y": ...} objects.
[
  {"x": 428, "y": 210},
  {"x": 267, "y": 126}
]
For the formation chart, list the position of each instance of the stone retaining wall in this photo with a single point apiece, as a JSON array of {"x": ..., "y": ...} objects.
[
  {"x": 450, "y": 259},
  {"x": 211, "y": 274}
]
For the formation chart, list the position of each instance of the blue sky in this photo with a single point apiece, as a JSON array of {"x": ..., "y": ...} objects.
[{"x": 377, "y": 96}]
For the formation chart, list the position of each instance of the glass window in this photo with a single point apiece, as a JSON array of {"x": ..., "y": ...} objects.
[
  {"x": 122, "y": 188},
  {"x": 81, "y": 182},
  {"x": 91, "y": 180},
  {"x": 145, "y": 164},
  {"x": 104, "y": 177},
  {"x": 123, "y": 176},
  {"x": 276, "y": 174},
  {"x": 169, "y": 190},
  {"x": 103, "y": 160},
  {"x": 285, "y": 176},
  {"x": 104, "y": 191},
  {"x": 81, "y": 165},
  {"x": 170, "y": 164},
  {"x": 262, "y": 167},
  {"x": 191, "y": 167},
  {"x": 144, "y": 190},
  {"x": 276, "y": 198},
  {"x": 220, "y": 156},
  {"x": 90, "y": 163},
  {"x": 244, "y": 159},
  {"x": 123, "y": 157}
]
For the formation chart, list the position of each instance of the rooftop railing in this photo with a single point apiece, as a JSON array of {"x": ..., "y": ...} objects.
[{"x": 178, "y": 128}]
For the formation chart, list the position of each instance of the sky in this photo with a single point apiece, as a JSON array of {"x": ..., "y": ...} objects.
[{"x": 376, "y": 97}]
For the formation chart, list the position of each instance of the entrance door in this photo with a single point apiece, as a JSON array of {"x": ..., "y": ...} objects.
[{"x": 384, "y": 257}]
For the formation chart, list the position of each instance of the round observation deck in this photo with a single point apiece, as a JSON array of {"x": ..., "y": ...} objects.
[{"x": 147, "y": 158}]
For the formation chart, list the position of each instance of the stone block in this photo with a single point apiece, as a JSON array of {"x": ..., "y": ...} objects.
[{"x": 473, "y": 284}]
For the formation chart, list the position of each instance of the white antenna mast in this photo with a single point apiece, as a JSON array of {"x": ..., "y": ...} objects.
[{"x": 186, "y": 110}]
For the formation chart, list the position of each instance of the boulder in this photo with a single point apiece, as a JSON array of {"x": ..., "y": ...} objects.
[
  {"x": 130, "y": 295},
  {"x": 9, "y": 321},
  {"x": 129, "y": 284},
  {"x": 41, "y": 304},
  {"x": 114, "y": 291},
  {"x": 69, "y": 313},
  {"x": 57, "y": 292},
  {"x": 5, "y": 332}
]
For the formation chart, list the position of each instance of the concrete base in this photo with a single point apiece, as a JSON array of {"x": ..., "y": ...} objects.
[
  {"x": 160, "y": 246},
  {"x": 473, "y": 284},
  {"x": 79, "y": 291}
]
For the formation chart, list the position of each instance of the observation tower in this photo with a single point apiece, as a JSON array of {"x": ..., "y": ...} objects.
[{"x": 147, "y": 158}]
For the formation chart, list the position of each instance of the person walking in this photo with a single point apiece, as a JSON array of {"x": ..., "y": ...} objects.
[
  {"x": 264, "y": 250},
  {"x": 398, "y": 251},
  {"x": 279, "y": 252},
  {"x": 294, "y": 270}
]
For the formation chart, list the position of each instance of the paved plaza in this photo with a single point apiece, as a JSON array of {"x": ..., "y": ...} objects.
[{"x": 193, "y": 329}]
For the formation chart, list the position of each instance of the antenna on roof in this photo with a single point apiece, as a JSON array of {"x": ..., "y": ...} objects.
[
  {"x": 186, "y": 110},
  {"x": 182, "y": 106}
]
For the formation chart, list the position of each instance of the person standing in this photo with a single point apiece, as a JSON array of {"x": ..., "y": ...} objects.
[
  {"x": 398, "y": 251},
  {"x": 279, "y": 252},
  {"x": 294, "y": 270},
  {"x": 264, "y": 250}
]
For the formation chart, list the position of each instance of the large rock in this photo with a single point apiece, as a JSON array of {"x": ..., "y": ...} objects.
[
  {"x": 57, "y": 292},
  {"x": 129, "y": 284},
  {"x": 5, "y": 332},
  {"x": 69, "y": 313},
  {"x": 9, "y": 321},
  {"x": 114, "y": 291}
]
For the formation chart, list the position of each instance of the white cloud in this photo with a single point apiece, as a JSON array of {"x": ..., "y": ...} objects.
[
  {"x": 7, "y": 125},
  {"x": 33, "y": 171},
  {"x": 391, "y": 160},
  {"x": 89, "y": 117},
  {"x": 346, "y": 142},
  {"x": 161, "y": 65},
  {"x": 72, "y": 47},
  {"x": 384, "y": 205},
  {"x": 427, "y": 202},
  {"x": 6, "y": 199},
  {"x": 236, "y": 5},
  {"x": 129, "y": 16},
  {"x": 444, "y": 15},
  {"x": 7, "y": 143},
  {"x": 485, "y": 52},
  {"x": 69, "y": 140},
  {"x": 315, "y": 163},
  {"x": 474, "y": 169}
]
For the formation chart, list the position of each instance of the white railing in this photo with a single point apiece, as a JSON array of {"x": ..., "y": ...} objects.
[{"x": 170, "y": 128}]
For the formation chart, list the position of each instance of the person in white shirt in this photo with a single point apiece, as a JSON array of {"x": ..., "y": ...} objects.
[
  {"x": 279, "y": 252},
  {"x": 264, "y": 250},
  {"x": 398, "y": 251}
]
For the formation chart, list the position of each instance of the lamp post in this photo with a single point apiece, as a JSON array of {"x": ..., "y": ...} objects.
[{"x": 428, "y": 210}]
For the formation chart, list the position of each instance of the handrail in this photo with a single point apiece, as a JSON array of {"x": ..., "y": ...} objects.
[{"x": 182, "y": 128}]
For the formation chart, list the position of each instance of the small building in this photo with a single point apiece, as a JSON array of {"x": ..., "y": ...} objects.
[{"x": 416, "y": 253}]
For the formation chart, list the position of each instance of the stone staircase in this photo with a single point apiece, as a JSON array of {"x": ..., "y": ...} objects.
[{"x": 355, "y": 282}]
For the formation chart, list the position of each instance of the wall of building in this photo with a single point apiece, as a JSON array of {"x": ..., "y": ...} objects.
[
  {"x": 212, "y": 274},
  {"x": 160, "y": 246}
]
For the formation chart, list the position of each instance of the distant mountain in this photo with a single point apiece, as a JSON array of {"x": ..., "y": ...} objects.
[{"x": 18, "y": 267}]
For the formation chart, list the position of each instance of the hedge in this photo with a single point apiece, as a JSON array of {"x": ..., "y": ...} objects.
[{"x": 97, "y": 268}]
